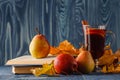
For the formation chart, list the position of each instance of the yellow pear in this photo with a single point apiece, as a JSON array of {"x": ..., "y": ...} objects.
[
  {"x": 39, "y": 46},
  {"x": 85, "y": 62}
]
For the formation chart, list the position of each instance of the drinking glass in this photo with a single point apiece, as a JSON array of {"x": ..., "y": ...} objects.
[{"x": 95, "y": 38}]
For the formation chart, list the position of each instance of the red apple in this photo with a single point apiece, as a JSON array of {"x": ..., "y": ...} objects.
[{"x": 65, "y": 64}]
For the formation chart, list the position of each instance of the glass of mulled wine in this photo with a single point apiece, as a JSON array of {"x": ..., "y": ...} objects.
[{"x": 95, "y": 41}]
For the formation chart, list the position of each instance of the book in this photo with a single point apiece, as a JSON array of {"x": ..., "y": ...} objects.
[
  {"x": 23, "y": 69},
  {"x": 24, "y": 64}
]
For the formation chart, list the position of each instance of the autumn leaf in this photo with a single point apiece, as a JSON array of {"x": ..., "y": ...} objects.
[
  {"x": 64, "y": 46},
  {"x": 47, "y": 69}
]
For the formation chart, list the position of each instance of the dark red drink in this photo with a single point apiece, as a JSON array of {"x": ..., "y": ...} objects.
[{"x": 95, "y": 41}]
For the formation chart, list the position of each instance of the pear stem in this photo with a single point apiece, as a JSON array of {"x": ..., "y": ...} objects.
[
  {"x": 37, "y": 30},
  {"x": 83, "y": 46}
]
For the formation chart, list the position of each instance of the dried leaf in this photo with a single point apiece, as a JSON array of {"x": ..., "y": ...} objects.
[
  {"x": 109, "y": 61},
  {"x": 68, "y": 47},
  {"x": 117, "y": 54},
  {"x": 54, "y": 50},
  {"x": 108, "y": 57},
  {"x": 108, "y": 69},
  {"x": 117, "y": 69},
  {"x": 111, "y": 69},
  {"x": 106, "y": 60},
  {"x": 46, "y": 69},
  {"x": 64, "y": 46},
  {"x": 104, "y": 69},
  {"x": 108, "y": 51}
]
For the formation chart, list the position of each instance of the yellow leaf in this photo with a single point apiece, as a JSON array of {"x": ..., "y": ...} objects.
[
  {"x": 46, "y": 69},
  {"x": 104, "y": 70}
]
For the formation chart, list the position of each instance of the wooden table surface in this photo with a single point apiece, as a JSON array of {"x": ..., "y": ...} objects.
[{"x": 6, "y": 74}]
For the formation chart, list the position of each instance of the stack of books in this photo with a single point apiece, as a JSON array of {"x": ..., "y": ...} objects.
[{"x": 24, "y": 64}]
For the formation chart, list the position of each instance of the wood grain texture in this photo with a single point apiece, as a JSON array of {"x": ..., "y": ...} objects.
[{"x": 56, "y": 19}]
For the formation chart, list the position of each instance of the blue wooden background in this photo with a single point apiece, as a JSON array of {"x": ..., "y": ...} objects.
[{"x": 56, "y": 19}]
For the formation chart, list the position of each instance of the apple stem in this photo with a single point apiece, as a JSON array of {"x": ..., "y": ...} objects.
[{"x": 36, "y": 29}]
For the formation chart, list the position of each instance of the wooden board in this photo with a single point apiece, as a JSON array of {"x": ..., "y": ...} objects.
[{"x": 28, "y": 60}]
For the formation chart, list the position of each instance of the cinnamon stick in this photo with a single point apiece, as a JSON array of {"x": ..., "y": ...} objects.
[{"x": 84, "y": 22}]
